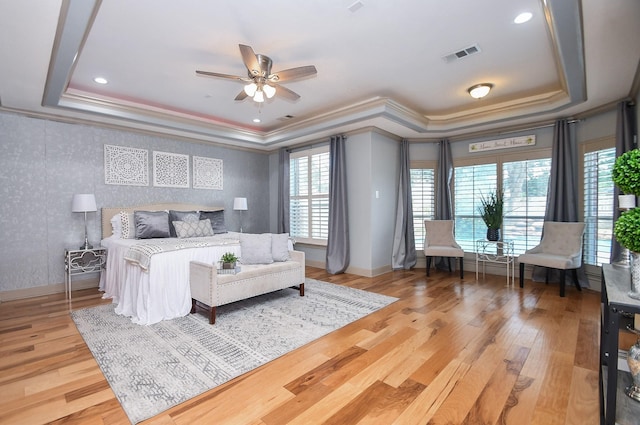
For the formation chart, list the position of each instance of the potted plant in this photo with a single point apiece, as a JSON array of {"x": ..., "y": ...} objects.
[
  {"x": 229, "y": 260},
  {"x": 491, "y": 209},
  {"x": 627, "y": 229},
  {"x": 626, "y": 172}
]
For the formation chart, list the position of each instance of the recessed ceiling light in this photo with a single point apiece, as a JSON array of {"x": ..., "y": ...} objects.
[
  {"x": 100, "y": 80},
  {"x": 256, "y": 120},
  {"x": 523, "y": 17}
]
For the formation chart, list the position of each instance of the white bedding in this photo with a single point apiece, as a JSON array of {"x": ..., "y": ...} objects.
[{"x": 161, "y": 293}]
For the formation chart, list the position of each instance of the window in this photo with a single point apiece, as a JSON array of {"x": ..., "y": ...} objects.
[
  {"x": 598, "y": 203},
  {"x": 524, "y": 179},
  {"x": 470, "y": 184},
  {"x": 525, "y": 184},
  {"x": 422, "y": 198},
  {"x": 309, "y": 195}
]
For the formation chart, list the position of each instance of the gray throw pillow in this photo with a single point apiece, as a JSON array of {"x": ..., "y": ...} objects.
[
  {"x": 217, "y": 220},
  {"x": 181, "y": 216},
  {"x": 151, "y": 224},
  {"x": 256, "y": 248},
  {"x": 280, "y": 246}
]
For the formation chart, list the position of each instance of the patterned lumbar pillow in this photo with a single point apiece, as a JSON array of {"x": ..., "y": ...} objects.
[
  {"x": 128, "y": 227},
  {"x": 193, "y": 229}
]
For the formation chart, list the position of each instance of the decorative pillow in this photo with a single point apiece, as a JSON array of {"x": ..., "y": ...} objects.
[
  {"x": 181, "y": 216},
  {"x": 151, "y": 224},
  {"x": 256, "y": 249},
  {"x": 193, "y": 229},
  {"x": 280, "y": 246},
  {"x": 128, "y": 225},
  {"x": 217, "y": 220},
  {"x": 116, "y": 226}
]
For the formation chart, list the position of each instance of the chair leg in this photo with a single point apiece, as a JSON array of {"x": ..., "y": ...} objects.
[
  {"x": 461, "y": 268},
  {"x": 546, "y": 276},
  {"x": 562, "y": 282},
  {"x": 522, "y": 275},
  {"x": 449, "y": 263},
  {"x": 428, "y": 265},
  {"x": 575, "y": 279}
]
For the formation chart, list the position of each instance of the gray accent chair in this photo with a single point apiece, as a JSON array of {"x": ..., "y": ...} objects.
[
  {"x": 560, "y": 248},
  {"x": 439, "y": 241}
]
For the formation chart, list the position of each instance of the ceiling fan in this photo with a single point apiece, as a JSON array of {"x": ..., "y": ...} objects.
[{"x": 260, "y": 81}]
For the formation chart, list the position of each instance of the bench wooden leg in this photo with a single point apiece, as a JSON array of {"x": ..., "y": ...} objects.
[
  {"x": 212, "y": 316},
  {"x": 193, "y": 305},
  {"x": 302, "y": 289}
]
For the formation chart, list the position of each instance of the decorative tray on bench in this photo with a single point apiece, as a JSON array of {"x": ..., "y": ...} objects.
[{"x": 221, "y": 270}]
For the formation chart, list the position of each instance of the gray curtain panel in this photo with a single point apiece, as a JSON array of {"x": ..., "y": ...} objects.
[
  {"x": 444, "y": 207},
  {"x": 283, "y": 191},
  {"x": 338, "y": 238},
  {"x": 562, "y": 194},
  {"x": 404, "y": 244},
  {"x": 625, "y": 141}
]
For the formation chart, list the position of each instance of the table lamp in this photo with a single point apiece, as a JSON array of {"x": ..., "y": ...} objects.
[
  {"x": 84, "y": 203},
  {"x": 240, "y": 204}
]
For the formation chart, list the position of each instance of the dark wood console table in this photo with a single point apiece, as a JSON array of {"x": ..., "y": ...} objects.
[{"x": 615, "y": 406}]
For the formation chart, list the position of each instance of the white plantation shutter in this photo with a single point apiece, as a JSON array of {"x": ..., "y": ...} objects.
[
  {"x": 422, "y": 201},
  {"x": 598, "y": 205},
  {"x": 525, "y": 185},
  {"x": 470, "y": 184},
  {"x": 309, "y": 195}
]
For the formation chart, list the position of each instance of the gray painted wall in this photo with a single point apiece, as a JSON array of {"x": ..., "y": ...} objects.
[{"x": 44, "y": 163}]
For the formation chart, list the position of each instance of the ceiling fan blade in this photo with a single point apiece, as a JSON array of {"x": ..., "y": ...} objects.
[
  {"x": 249, "y": 59},
  {"x": 241, "y": 96},
  {"x": 293, "y": 73},
  {"x": 217, "y": 74},
  {"x": 286, "y": 93}
]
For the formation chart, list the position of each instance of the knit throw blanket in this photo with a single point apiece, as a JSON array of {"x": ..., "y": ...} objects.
[{"x": 142, "y": 252}]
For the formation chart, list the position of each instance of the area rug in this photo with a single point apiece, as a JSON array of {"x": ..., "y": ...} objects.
[{"x": 152, "y": 368}]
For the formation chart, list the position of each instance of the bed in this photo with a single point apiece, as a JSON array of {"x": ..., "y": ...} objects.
[{"x": 157, "y": 290}]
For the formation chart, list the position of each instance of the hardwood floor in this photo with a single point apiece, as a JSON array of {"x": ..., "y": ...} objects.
[{"x": 447, "y": 352}]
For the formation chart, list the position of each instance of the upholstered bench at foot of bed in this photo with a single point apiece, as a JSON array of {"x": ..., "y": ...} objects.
[{"x": 213, "y": 289}]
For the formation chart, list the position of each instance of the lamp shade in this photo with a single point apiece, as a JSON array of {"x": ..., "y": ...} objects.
[
  {"x": 240, "y": 204},
  {"x": 84, "y": 202}
]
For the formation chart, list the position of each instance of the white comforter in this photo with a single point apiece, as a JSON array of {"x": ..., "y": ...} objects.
[{"x": 162, "y": 292}]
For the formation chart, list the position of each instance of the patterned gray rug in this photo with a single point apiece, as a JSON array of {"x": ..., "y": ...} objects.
[{"x": 152, "y": 368}]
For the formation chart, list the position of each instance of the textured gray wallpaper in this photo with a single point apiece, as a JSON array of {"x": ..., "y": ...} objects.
[{"x": 44, "y": 163}]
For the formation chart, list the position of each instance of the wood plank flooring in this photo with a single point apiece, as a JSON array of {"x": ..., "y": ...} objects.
[{"x": 448, "y": 352}]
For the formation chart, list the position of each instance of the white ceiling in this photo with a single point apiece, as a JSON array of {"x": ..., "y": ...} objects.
[{"x": 378, "y": 66}]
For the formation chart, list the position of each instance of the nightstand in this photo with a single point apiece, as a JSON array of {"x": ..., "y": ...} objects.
[{"x": 80, "y": 261}]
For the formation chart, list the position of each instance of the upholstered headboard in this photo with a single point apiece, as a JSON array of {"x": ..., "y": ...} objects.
[{"x": 108, "y": 213}]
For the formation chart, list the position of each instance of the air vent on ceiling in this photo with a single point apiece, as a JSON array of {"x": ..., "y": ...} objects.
[
  {"x": 285, "y": 118},
  {"x": 462, "y": 53}
]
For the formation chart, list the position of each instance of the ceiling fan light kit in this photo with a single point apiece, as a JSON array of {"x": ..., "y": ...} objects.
[
  {"x": 261, "y": 82},
  {"x": 480, "y": 90}
]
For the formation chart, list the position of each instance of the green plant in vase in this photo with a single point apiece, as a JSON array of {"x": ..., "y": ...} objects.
[
  {"x": 627, "y": 230},
  {"x": 626, "y": 172},
  {"x": 491, "y": 210},
  {"x": 229, "y": 260}
]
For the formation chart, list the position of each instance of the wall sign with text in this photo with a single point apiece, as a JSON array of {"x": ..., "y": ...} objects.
[{"x": 511, "y": 142}]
